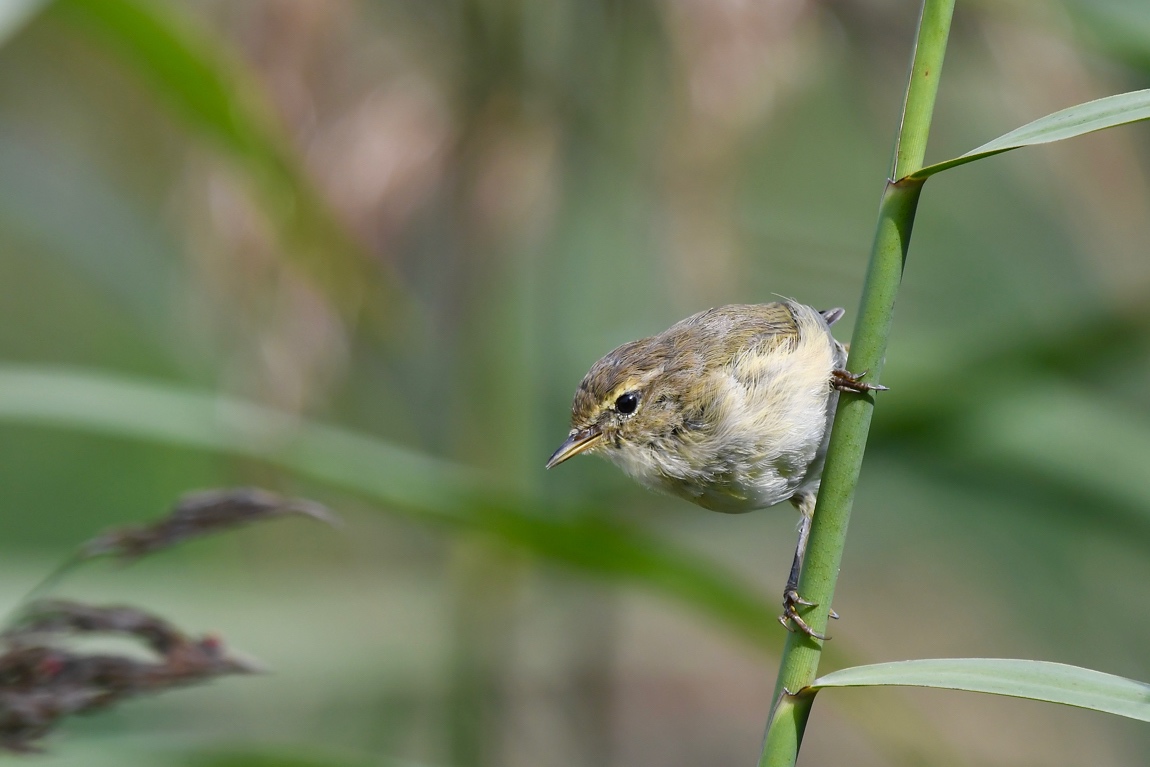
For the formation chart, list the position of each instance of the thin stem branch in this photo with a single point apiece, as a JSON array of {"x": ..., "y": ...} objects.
[
  {"x": 799, "y": 664},
  {"x": 922, "y": 87}
]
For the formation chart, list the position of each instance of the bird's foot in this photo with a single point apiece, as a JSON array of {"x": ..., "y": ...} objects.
[
  {"x": 844, "y": 380},
  {"x": 791, "y": 602}
]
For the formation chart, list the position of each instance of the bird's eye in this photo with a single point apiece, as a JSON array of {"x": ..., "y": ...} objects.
[{"x": 627, "y": 403}]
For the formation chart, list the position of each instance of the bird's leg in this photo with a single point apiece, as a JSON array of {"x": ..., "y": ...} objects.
[
  {"x": 844, "y": 380},
  {"x": 791, "y": 598}
]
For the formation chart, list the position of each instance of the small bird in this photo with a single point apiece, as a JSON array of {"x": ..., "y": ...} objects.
[{"x": 730, "y": 409}]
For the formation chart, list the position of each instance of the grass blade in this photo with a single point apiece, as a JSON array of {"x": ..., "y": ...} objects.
[
  {"x": 1030, "y": 679},
  {"x": 215, "y": 95},
  {"x": 1067, "y": 123},
  {"x": 422, "y": 488},
  {"x": 419, "y": 487}
]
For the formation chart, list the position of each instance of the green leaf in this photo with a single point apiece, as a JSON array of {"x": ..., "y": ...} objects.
[
  {"x": 1031, "y": 679},
  {"x": 421, "y": 488},
  {"x": 416, "y": 486},
  {"x": 1067, "y": 123},
  {"x": 215, "y": 95}
]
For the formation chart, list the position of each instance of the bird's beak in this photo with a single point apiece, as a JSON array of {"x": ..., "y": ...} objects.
[{"x": 577, "y": 441}]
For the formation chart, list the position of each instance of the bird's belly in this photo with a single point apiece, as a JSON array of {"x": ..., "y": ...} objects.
[
  {"x": 743, "y": 487},
  {"x": 757, "y": 488},
  {"x": 753, "y": 468}
]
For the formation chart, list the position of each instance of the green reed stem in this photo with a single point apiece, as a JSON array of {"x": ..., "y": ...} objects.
[{"x": 800, "y": 659}]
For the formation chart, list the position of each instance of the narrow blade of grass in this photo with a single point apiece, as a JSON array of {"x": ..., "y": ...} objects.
[
  {"x": 217, "y": 97},
  {"x": 1030, "y": 679},
  {"x": 1074, "y": 121},
  {"x": 405, "y": 482},
  {"x": 419, "y": 487}
]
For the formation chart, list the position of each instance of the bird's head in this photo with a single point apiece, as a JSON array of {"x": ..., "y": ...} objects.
[{"x": 627, "y": 401}]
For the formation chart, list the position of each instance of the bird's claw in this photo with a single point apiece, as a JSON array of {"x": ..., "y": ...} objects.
[
  {"x": 844, "y": 380},
  {"x": 791, "y": 600}
]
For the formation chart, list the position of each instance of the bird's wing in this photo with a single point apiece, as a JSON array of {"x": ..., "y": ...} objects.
[
  {"x": 723, "y": 341},
  {"x": 727, "y": 331},
  {"x": 762, "y": 328}
]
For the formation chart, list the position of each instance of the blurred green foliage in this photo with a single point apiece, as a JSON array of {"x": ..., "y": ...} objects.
[{"x": 420, "y": 222}]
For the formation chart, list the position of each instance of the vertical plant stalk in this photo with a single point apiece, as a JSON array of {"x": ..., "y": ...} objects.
[{"x": 800, "y": 659}]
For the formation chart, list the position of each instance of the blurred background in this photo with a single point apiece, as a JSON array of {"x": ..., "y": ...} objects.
[{"x": 364, "y": 250}]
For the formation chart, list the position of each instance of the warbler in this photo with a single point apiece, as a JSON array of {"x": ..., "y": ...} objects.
[{"x": 730, "y": 409}]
